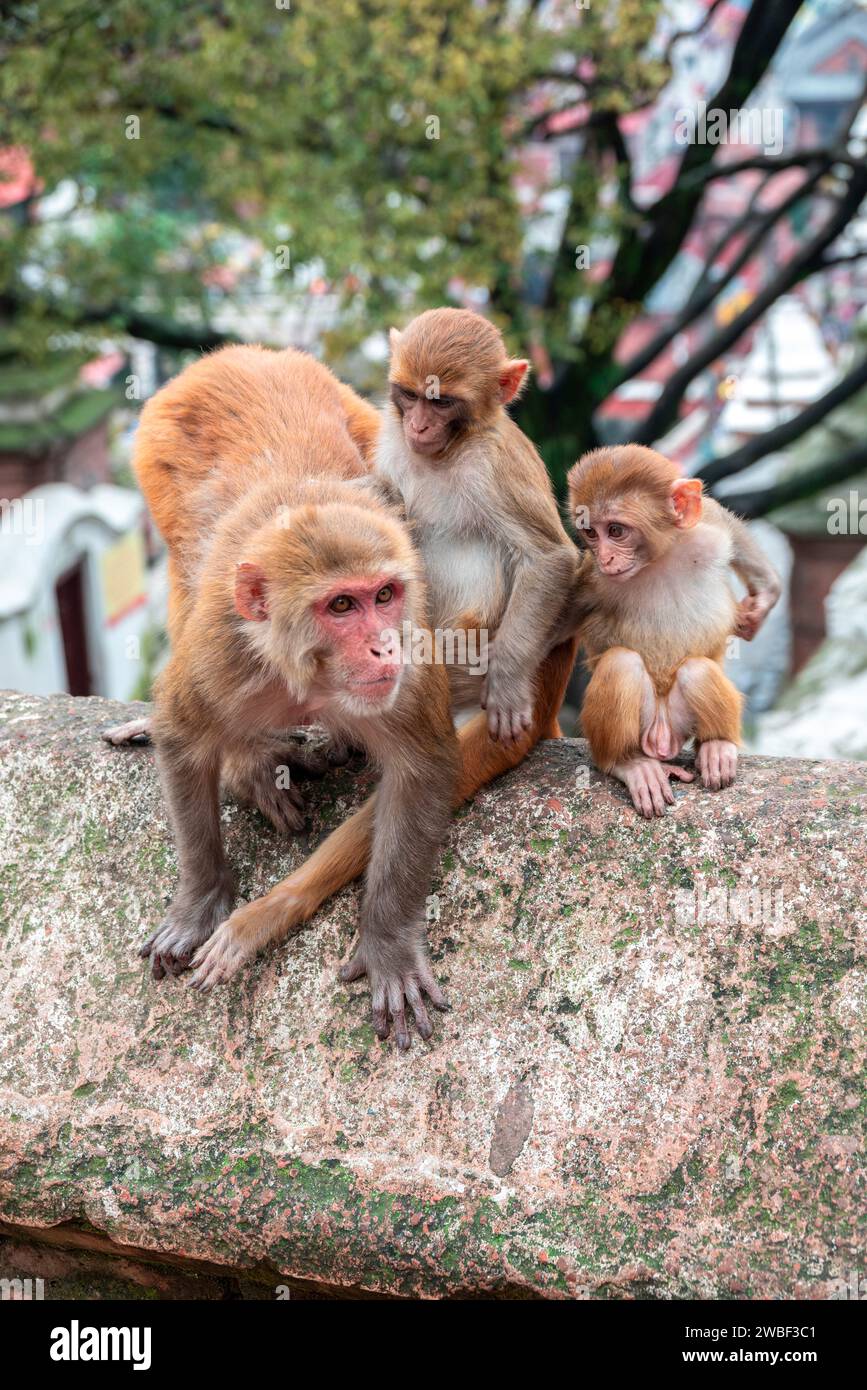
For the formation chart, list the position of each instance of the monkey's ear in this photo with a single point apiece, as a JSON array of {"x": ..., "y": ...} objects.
[
  {"x": 686, "y": 502},
  {"x": 251, "y": 599},
  {"x": 394, "y": 338},
  {"x": 512, "y": 378}
]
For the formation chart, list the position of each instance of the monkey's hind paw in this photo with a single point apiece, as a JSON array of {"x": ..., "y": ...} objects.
[
  {"x": 171, "y": 948},
  {"x": 218, "y": 960},
  {"x": 133, "y": 731},
  {"x": 647, "y": 781},
  {"x": 274, "y": 796}
]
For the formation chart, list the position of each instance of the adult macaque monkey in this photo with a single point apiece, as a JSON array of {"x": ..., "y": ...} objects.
[
  {"x": 496, "y": 557},
  {"x": 285, "y": 569},
  {"x": 480, "y": 503},
  {"x": 661, "y": 609}
]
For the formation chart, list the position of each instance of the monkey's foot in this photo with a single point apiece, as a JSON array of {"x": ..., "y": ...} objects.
[
  {"x": 646, "y": 780},
  {"x": 394, "y": 985},
  {"x": 250, "y": 927},
  {"x": 190, "y": 922},
  {"x": 717, "y": 763},
  {"x": 267, "y": 779},
  {"x": 129, "y": 732}
]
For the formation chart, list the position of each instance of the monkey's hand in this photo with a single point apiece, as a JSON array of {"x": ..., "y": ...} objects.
[
  {"x": 191, "y": 919},
  {"x": 507, "y": 695},
  {"x": 646, "y": 780},
  {"x": 399, "y": 973},
  {"x": 751, "y": 613}
]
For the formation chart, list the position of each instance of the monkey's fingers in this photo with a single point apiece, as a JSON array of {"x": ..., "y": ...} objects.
[
  {"x": 648, "y": 785},
  {"x": 423, "y": 1023},
  {"x": 748, "y": 618},
  {"x": 162, "y": 961},
  {"x": 379, "y": 1012},
  {"x": 432, "y": 989},
  {"x": 508, "y": 725},
  {"x": 397, "y": 1009},
  {"x": 659, "y": 791},
  {"x": 717, "y": 761},
  {"x": 352, "y": 969}
]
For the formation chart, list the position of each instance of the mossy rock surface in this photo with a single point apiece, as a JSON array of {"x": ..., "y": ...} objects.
[{"x": 650, "y": 1083}]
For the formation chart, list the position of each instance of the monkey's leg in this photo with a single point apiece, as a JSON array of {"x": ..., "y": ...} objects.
[
  {"x": 206, "y": 892},
  {"x": 623, "y": 721},
  {"x": 344, "y": 855},
  {"x": 618, "y": 697},
  {"x": 715, "y": 710},
  {"x": 133, "y": 729}
]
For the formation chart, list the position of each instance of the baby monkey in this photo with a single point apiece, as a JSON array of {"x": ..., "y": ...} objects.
[
  {"x": 481, "y": 507},
  {"x": 655, "y": 580}
]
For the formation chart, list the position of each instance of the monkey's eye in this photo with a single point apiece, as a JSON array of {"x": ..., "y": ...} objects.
[
  {"x": 342, "y": 604},
  {"x": 616, "y": 532},
  {"x": 407, "y": 394},
  {"x": 589, "y": 533},
  {"x": 386, "y": 594},
  {"x": 444, "y": 402}
]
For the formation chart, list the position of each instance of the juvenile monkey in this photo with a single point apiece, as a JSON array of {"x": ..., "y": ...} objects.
[
  {"x": 285, "y": 569},
  {"x": 656, "y": 587},
  {"x": 480, "y": 504}
]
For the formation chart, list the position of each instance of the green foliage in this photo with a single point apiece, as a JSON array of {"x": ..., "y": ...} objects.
[{"x": 307, "y": 126}]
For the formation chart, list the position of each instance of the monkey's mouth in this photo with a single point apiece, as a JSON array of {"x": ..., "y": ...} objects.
[
  {"x": 427, "y": 447},
  {"x": 634, "y": 568},
  {"x": 378, "y": 687}
]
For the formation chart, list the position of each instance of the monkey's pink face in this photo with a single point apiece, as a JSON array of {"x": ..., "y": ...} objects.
[
  {"x": 355, "y": 620},
  {"x": 429, "y": 423},
  {"x": 619, "y": 549}
]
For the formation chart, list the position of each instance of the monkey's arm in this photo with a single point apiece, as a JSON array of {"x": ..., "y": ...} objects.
[
  {"x": 752, "y": 566},
  {"x": 532, "y": 622},
  {"x": 190, "y": 783},
  {"x": 414, "y": 803},
  {"x": 580, "y": 601}
]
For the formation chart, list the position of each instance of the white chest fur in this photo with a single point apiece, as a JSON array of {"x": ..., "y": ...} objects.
[
  {"x": 681, "y": 605},
  {"x": 448, "y": 505}
]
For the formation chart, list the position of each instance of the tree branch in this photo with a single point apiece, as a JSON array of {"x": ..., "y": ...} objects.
[
  {"x": 806, "y": 484},
  {"x": 162, "y": 332},
  {"x": 698, "y": 302},
  {"x": 786, "y": 433},
  {"x": 803, "y": 264},
  {"x": 772, "y": 163},
  {"x": 692, "y": 33}
]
